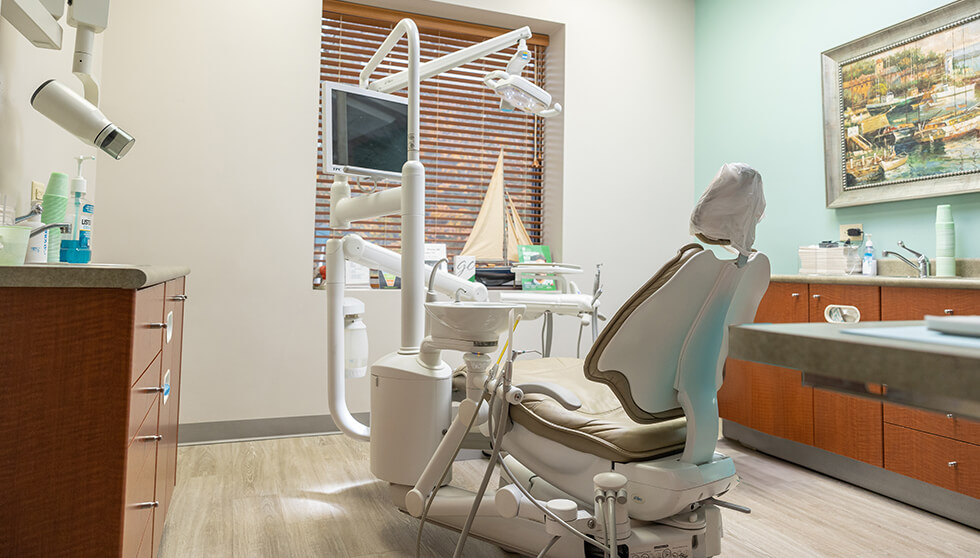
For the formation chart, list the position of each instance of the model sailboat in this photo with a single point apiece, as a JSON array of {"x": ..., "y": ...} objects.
[{"x": 498, "y": 229}]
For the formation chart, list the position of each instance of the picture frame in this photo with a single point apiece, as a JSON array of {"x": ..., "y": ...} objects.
[{"x": 863, "y": 152}]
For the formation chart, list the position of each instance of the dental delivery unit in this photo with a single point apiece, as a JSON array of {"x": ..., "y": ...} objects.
[{"x": 621, "y": 444}]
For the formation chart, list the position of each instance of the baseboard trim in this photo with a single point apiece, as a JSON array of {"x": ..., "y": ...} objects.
[
  {"x": 197, "y": 433},
  {"x": 940, "y": 501}
]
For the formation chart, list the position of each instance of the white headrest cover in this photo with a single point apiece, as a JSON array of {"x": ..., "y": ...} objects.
[{"x": 731, "y": 206}]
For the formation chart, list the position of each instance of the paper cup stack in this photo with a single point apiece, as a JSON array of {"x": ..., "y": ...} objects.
[{"x": 945, "y": 242}]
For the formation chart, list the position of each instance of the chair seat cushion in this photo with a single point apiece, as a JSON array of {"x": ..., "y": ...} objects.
[{"x": 600, "y": 426}]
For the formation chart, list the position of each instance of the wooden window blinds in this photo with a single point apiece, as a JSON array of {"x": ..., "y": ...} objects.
[{"x": 462, "y": 126}]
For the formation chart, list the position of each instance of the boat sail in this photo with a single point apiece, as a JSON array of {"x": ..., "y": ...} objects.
[{"x": 498, "y": 229}]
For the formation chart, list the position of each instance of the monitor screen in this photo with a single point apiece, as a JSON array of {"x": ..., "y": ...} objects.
[{"x": 364, "y": 129}]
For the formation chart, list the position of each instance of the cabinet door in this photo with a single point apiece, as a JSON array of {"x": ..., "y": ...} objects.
[
  {"x": 844, "y": 424},
  {"x": 768, "y": 398}
]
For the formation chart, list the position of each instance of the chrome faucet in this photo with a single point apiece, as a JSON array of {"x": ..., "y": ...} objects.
[
  {"x": 65, "y": 228},
  {"x": 922, "y": 262}
]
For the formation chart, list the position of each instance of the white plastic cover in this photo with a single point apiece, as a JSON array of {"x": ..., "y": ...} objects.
[{"x": 731, "y": 207}]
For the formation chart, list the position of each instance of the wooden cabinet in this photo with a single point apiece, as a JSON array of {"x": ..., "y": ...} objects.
[
  {"x": 918, "y": 443},
  {"x": 912, "y": 442},
  {"x": 769, "y": 398},
  {"x": 88, "y": 422}
]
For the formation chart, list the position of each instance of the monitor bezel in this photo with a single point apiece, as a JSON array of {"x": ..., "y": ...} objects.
[{"x": 326, "y": 134}]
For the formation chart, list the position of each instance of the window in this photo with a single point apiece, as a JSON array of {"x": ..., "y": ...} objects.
[{"x": 463, "y": 129}]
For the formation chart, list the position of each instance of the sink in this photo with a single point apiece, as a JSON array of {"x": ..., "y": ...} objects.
[{"x": 471, "y": 321}]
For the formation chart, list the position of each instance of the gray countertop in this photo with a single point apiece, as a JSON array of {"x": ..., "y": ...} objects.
[
  {"x": 104, "y": 276},
  {"x": 939, "y": 377}
]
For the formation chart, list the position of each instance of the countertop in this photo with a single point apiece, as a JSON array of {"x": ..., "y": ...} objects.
[
  {"x": 98, "y": 276},
  {"x": 930, "y": 375},
  {"x": 883, "y": 281},
  {"x": 894, "y": 273}
]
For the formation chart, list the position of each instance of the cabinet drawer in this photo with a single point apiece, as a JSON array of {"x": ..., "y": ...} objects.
[
  {"x": 940, "y": 424},
  {"x": 147, "y": 328},
  {"x": 933, "y": 459},
  {"x": 143, "y": 396},
  {"x": 910, "y": 303},
  {"x": 140, "y": 484}
]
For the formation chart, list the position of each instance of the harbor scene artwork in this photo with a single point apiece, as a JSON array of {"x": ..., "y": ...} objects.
[{"x": 912, "y": 111}]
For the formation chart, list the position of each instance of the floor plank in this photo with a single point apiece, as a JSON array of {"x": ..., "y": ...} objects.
[{"x": 316, "y": 497}]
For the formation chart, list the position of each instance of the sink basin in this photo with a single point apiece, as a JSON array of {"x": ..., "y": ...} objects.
[{"x": 471, "y": 321}]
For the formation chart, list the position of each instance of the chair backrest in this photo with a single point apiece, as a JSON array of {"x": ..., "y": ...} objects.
[{"x": 663, "y": 352}]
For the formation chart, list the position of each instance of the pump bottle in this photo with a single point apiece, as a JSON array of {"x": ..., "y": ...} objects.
[
  {"x": 79, "y": 248},
  {"x": 869, "y": 265}
]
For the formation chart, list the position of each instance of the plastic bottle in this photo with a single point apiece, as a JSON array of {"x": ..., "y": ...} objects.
[
  {"x": 869, "y": 265},
  {"x": 55, "y": 204},
  {"x": 79, "y": 248}
]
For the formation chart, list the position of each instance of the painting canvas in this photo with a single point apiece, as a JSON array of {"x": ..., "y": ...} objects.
[{"x": 911, "y": 111}]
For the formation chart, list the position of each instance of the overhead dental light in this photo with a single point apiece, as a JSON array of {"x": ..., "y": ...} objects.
[
  {"x": 521, "y": 93},
  {"x": 517, "y": 92}
]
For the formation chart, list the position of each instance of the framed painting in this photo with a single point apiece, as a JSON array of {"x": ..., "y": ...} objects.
[{"x": 902, "y": 110}]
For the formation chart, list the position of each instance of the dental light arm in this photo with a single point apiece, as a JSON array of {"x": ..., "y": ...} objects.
[{"x": 439, "y": 65}]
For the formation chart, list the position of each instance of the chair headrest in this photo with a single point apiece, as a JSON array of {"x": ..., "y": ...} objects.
[{"x": 730, "y": 208}]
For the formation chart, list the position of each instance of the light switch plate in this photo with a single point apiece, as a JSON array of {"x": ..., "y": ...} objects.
[{"x": 37, "y": 190}]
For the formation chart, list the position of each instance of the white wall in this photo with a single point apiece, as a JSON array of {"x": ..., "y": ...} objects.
[
  {"x": 31, "y": 146},
  {"x": 222, "y": 98}
]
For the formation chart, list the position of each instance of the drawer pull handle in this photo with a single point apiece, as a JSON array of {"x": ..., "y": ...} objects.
[
  {"x": 951, "y": 464},
  {"x": 157, "y": 325},
  {"x": 948, "y": 311},
  {"x": 178, "y": 298},
  {"x": 158, "y": 389},
  {"x": 816, "y": 296},
  {"x": 949, "y": 415},
  {"x": 154, "y": 438},
  {"x": 146, "y": 505},
  {"x": 795, "y": 295}
]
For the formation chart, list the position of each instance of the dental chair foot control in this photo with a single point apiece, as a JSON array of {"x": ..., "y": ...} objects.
[{"x": 726, "y": 505}]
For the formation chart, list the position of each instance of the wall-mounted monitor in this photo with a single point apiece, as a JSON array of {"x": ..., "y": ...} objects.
[{"x": 364, "y": 132}]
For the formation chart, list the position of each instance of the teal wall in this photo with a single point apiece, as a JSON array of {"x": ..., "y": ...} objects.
[{"x": 758, "y": 101}]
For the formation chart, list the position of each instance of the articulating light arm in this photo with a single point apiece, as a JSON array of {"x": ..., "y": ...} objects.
[{"x": 439, "y": 65}]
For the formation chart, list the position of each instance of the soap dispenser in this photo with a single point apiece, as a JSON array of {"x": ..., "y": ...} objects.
[{"x": 79, "y": 248}]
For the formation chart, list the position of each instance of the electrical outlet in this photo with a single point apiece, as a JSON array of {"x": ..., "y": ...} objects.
[{"x": 843, "y": 232}]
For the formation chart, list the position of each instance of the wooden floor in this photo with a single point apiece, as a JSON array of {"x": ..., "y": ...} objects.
[{"x": 316, "y": 497}]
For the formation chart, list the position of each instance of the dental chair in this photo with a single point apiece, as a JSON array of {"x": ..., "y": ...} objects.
[
  {"x": 614, "y": 452},
  {"x": 643, "y": 401}
]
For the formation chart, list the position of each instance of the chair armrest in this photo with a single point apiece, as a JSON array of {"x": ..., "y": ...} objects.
[{"x": 564, "y": 396}]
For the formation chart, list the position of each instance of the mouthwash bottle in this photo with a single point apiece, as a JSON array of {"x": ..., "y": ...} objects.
[{"x": 79, "y": 248}]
